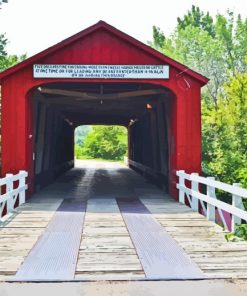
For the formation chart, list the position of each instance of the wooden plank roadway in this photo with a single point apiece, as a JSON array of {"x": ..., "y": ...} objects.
[
  {"x": 106, "y": 250},
  {"x": 202, "y": 240},
  {"x": 19, "y": 234}
]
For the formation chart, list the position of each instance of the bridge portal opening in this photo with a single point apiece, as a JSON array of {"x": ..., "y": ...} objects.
[
  {"x": 59, "y": 108},
  {"x": 101, "y": 142}
]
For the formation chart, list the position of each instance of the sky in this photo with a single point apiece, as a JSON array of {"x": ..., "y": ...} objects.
[{"x": 34, "y": 25}]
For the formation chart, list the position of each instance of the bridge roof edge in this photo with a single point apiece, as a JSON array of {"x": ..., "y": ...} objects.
[{"x": 103, "y": 25}]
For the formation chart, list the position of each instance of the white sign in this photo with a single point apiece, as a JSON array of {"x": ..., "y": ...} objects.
[{"x": 102, "y": 71}]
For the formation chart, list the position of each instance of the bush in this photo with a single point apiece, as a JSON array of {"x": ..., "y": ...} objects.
[
  {"x": 239, "y": 234},
  {"x": 106, "y": 142}
]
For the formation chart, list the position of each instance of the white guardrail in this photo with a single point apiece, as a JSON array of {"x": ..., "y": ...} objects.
[
  {"x": 209, "y": 201},
  {"x": 15, "y": 187}
]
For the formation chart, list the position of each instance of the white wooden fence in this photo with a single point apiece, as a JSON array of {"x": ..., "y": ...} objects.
[
  {"x": 209, "y": 201},
  {"x": 8, "y": 199}
]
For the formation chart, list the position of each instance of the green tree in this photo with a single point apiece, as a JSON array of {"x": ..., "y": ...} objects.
[
  {"x": 107, "y": 142},
  {"x": 198, "y": 19},
  {"x": 216, "y": 48},
  {"x": 6, "y": 60},
  {"x": 227, "y": 156},
  {"x": 10, "y": 60},
  {"x": 3, "y": 43},
  {"x": 81, "y": 133}
]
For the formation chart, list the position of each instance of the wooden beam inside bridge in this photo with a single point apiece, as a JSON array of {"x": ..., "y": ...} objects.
[{"x": 97, "y": 96}]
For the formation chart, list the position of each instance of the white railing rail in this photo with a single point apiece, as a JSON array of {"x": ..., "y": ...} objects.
[
  {"x": 8, "y": 199},
  {"x": 195, "y": 197}
]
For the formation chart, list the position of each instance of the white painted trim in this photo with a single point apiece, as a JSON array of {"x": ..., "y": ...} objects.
[
  {"x": 236, "y": 209},
  {"x": 215, "y": 202},
  {"x": 217, "y": 184},
  {"x": 9, "y": 198}
]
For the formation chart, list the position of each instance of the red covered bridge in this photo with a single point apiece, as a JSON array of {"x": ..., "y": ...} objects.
[
  {"x": 47, "y": 96},
  {"x": 99, "y": 220}
]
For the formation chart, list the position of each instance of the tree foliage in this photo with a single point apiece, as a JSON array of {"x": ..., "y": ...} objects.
[
  {"x": 106, "y": 142},
  {"x": 3, "y": 43},
  {"x": 6, "y": 60},
  {"x": 10, "y": 60},
  {"x": 197, "y": 19},
  {"x": 3, "y": 40},
  {"x": 217, "y": 48},
  {"x": 81, "y": 134},
  {"x": 225, "y": 133}
]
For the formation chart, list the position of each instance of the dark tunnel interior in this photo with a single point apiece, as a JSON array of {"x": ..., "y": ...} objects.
[{"x": 143, "y": 108}]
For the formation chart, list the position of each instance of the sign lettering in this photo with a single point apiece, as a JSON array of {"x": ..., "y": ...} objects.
[{"x": 101, "y": 71}]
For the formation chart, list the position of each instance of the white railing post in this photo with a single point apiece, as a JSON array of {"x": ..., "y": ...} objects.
[
  {"x": 236, "y": 202},
  {"x": 9, "y": 189},
  {"x": 194, "y": 187},
  {"x": 209, "y": 201},
  {"x": 181, "y": 192},
  {"x": 210, "y": 208},
  {"x": 22, "y": 194}
]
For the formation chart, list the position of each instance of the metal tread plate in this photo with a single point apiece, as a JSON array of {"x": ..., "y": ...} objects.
[
  {"x": 160, "y": 255},
  {"x": 54, "y": 256}
]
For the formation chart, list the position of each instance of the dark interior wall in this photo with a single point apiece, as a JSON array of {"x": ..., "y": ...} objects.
[
  {"x": 54, "y": 142},
  {"x": 148, "y": 141}
]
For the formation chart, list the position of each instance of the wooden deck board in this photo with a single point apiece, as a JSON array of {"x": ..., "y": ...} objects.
[
  {"x": 19, "y": 235},
  {"x": 106, "y": 250},
  {"x": 203, "y": 240},
  {"x": 106, "y": 247}
]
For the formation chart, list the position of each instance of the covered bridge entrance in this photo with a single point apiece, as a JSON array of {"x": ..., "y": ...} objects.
[
  {"x": 100, "y": 76},
  {"x": 104, "y": 221}
]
